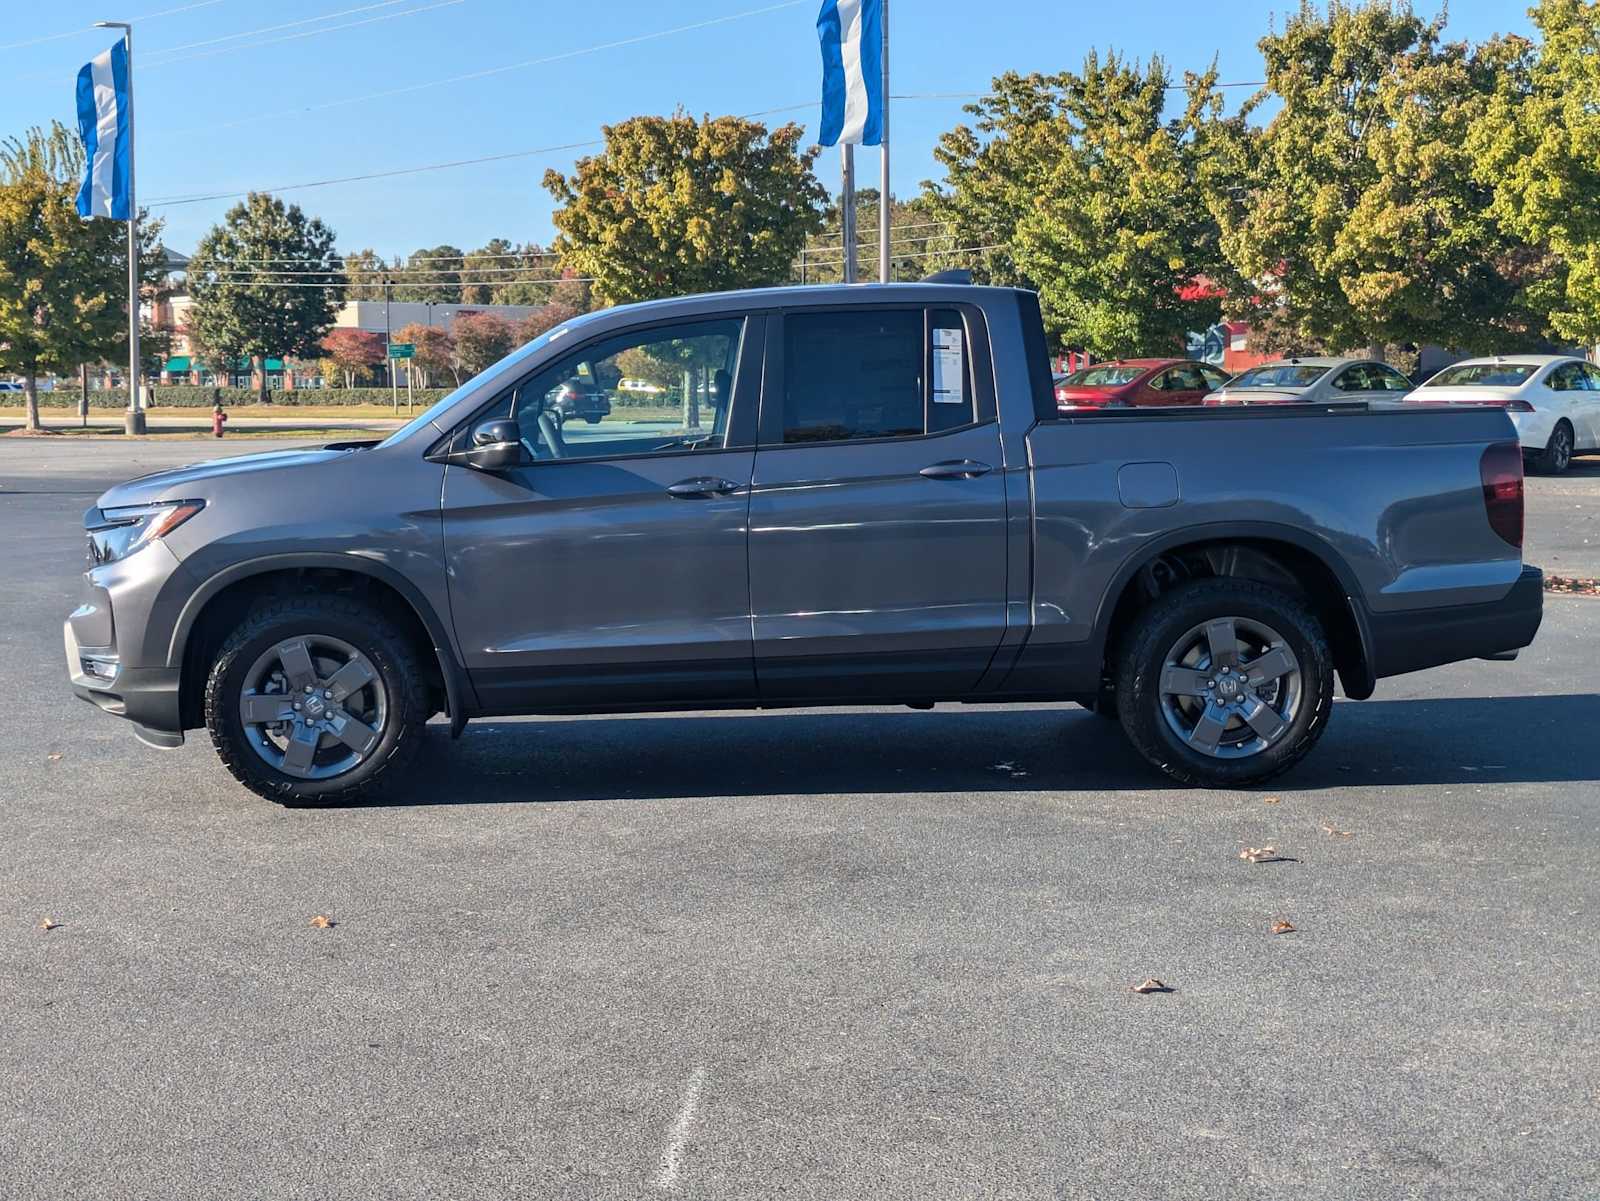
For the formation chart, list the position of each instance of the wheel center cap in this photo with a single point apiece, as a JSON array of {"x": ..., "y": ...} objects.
[
  {"x": 1228, "y": 687},
  {"x": 315, "y": 706}
]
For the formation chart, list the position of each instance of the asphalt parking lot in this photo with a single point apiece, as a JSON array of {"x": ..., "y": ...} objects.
[{"x": 831, "y": 954}]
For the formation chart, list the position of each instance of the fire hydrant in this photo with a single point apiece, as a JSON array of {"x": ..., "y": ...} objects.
[{"x": 218, "y": 419}]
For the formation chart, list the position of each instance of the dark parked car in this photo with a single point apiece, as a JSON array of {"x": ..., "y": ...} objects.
[
  {"x": 1139, "y": 382},
  {"x": 578, "y": 400},
  {"x": 885, "y": 506}
]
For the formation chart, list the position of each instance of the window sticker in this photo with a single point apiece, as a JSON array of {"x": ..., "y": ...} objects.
[{"x": 949, "y": 366}]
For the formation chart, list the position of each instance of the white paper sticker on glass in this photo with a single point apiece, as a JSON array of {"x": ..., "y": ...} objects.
[{"x": 949, "y": 366}]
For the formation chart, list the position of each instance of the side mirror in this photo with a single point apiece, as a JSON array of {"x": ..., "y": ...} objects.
[{"x": 496, "y": 446}]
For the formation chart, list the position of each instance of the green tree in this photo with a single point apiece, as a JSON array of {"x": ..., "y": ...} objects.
[
  {"x": 236, "y": 308},
  {"x": 365, "y": 270},
  {"x": 535, "y": 281},
  {"x": 1538, "y": 148},
  {"x": 1088, "y": 191},
  {"x": 63, "y": 278},
  {"x": 484, "y": 270},
  {"x": 674, "y": 205},
  {"x": 994, "y": 169},
  {"x": 918, "y": 241},
  {"x": 1353, "y": 219},
  {"x": 433, "y": 273}
]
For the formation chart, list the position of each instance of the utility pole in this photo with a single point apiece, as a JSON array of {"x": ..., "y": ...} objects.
[
  {"x": 883, "y": 187},
  {"x": 847, "y": 209},
  {"x": 133, "y": 423},
  {"x": 388, "y": 341}
]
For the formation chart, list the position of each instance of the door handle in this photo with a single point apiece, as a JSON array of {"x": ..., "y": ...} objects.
[
  {"x": 701, "y": 487},
  {"x": 956, "y": 469}
]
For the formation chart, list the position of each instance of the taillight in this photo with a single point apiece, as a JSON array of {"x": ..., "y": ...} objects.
[
  {"x": 1501, "y": 471},
  {"x": 1518, "y": 406},
  {"x": 1061, "y": 396}
]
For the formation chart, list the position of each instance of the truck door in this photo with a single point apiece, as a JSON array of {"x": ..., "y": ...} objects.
[
  {"x": 877, "y": 509},
  {"x": 610, "y": 569}
]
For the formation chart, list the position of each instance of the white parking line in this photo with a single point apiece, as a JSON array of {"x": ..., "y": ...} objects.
[{"x": 672, "y": 1153}]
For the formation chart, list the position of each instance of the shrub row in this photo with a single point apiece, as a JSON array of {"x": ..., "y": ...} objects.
[{"x": 188, "y": 396}]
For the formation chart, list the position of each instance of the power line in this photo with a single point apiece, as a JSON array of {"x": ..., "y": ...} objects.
[
  {"x": 491, "y": 71},
  {"x": 290, "y": 37},
  {"x": 173, "y": 202},
  {"x": 72, "y": 33},
  {"x": 180, "y": 199},
  {"x": 250, "y": 33}
]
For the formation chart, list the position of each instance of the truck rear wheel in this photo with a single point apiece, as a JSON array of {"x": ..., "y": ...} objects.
[
  {"x": 1225, "y": 683},
  {"x": 315, "y": 698}
]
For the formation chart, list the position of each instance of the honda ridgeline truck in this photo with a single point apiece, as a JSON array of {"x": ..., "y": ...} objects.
[{"x": 838, "y": 496}]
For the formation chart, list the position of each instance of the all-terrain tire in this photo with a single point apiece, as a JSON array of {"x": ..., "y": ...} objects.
[
  {"x": 1160, "y": 627},
  {"x": 353, "y": 621}
]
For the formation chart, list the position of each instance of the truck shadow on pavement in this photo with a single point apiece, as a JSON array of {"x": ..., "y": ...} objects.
[{"x": 1477, "y": 740}]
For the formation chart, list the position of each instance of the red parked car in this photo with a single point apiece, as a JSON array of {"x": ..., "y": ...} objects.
[{"x": 1138, "y": 382}]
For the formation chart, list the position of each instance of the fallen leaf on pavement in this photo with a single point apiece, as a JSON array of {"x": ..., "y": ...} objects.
[
  {"x": 1334, "y": 831},
  {"x": 1282, "y": 927},
  {"x": 48, "y": 923},
  {"x": 1151, "y": 984},
  {"x": 53, "y": 756},
  {"x": 322, "y": 921},
  {"x": 1257, "y": 854},
  {"x": 1271, "y": 800}
]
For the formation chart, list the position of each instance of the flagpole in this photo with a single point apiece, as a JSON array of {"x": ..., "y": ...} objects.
[
  {"x": 134, "y": 420},
  {"x": 847, "y": 209},
  {"x": 883, "y": 188}
]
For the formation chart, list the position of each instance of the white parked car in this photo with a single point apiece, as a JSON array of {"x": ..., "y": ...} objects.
[{"x": 1553, "y": 400}]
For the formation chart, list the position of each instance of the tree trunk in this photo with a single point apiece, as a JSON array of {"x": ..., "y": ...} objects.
[
  {"x": 1375, "y": 351},
  {"x": 30, "y": 392},
  {"x": 262, "y": 396}
]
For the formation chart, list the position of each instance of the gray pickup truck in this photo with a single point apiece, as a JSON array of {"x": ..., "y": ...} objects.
[{"x": 876, "y": 501}]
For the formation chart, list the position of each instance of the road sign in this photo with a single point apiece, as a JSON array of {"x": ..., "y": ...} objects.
[{"x": 402, "y": 350}]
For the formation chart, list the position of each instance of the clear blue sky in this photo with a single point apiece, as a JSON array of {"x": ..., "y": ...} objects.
[{"x": 222, "y": 113}]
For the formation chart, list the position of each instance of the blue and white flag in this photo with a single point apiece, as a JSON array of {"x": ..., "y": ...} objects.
[
  {"x": 103, "y": 124},
  {"x": 852, "y": 72}
]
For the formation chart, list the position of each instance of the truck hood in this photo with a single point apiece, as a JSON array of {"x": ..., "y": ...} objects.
[{"x": 201, "y": 481}]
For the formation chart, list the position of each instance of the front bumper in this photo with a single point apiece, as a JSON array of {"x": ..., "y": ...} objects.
[
  {"x": 146, "y": 696},
  {"x": 1412, "y": 640}
]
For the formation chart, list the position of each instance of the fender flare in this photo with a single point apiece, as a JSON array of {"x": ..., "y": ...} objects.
[
  {"x": 1358, "y": 683},
  {"x": 460, "y": 699}
]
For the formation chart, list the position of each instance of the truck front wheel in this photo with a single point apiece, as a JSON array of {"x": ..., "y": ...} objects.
[
  {"x": 1225, "y": 683},
  {"x": 315, "y": 698}
]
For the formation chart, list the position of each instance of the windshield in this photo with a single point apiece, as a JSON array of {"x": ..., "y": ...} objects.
[
  {"x": 506, "y": 365},
  {"x": 1279, "y": 375},
  {"x": 1102, "y": 377},
  {"x": 1483, "y": 375}
]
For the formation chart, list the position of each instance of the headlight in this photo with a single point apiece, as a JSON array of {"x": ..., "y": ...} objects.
[{"x": 123, "y": 530}]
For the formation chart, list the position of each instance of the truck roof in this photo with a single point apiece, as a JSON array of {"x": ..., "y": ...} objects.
[{"x": 812, "y": 294}]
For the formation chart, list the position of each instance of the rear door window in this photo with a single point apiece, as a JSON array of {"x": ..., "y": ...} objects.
[
  {"x": 856, "y": 374},
  {"x": 1568, "y": 377}
]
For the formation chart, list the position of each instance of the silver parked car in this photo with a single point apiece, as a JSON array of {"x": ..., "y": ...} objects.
[{"x": 1320, "y": 380}]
